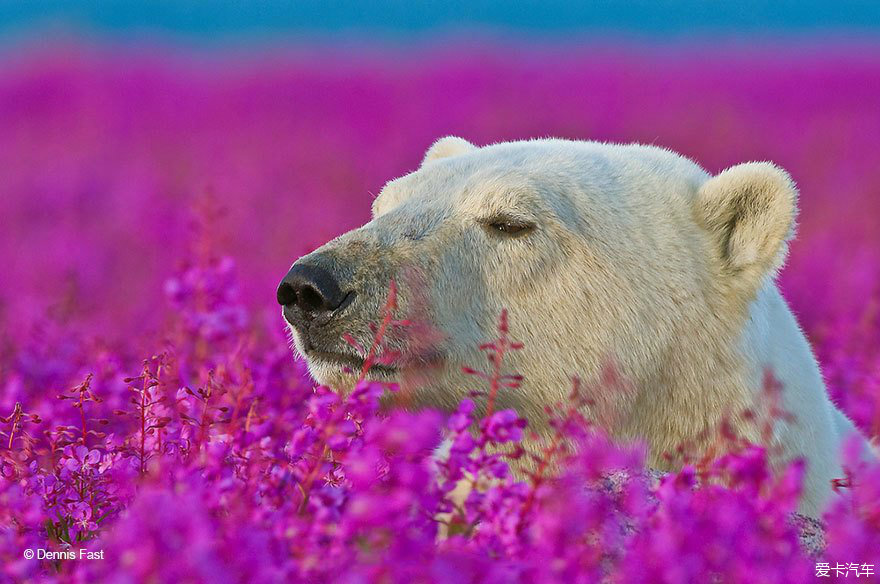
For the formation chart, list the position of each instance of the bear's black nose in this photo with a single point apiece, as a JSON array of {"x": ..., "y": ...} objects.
[{"x": 312, "y": 289}]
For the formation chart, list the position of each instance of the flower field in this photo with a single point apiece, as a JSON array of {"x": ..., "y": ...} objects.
[{"x": 150, "y": 408}]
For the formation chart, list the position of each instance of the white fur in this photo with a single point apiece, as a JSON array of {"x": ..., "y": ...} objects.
[{"x": 639, "y": 257}]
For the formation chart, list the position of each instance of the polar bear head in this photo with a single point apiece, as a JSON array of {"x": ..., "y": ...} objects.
[{"x": 600, "y": 253}]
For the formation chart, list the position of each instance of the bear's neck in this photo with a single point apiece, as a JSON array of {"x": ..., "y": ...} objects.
[{"x": 754, "y": 363}]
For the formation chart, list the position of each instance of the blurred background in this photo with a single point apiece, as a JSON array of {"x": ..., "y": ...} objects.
[
  {"x": 118, "y": 119},
  {"x": 163, "y": 162}
]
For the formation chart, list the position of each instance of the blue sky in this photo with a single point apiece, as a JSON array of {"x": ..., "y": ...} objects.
[{"x": 402, "y": 18}]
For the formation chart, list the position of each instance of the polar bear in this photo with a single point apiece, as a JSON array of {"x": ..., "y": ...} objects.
[{"x": 598, "y": 251}]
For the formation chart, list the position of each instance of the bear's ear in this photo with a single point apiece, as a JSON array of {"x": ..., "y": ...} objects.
[
  {"x": 750, "y": 211},
  {"x": 446, "y": 147}
]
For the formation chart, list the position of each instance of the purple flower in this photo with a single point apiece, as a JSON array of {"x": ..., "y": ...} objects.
[
  {"x": 504, "y": 426},
  {"x": 80, "y": 459},
  {"x": 232, "y": 466},
  {"x": 462, "y": 418}
]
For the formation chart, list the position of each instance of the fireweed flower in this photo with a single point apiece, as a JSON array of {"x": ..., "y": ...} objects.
[
  {"x": 81, "y": 459},
  {"x": 218, "y": 460},
  {"x": 221, "y": 461},
  {"x": 504, "y": 426},
  {"x": 462, "y": 419}
]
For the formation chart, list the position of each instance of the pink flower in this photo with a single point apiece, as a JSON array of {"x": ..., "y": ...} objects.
[
  {"x": 80, "y": 459},
  {"x": 504, "y": 426}
]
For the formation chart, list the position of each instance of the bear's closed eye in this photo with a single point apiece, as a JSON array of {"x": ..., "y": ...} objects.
[{"x": 509, "y": 226}]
